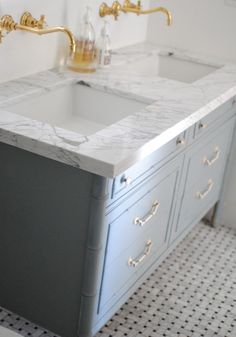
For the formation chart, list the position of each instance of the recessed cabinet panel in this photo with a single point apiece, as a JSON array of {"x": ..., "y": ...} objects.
[
  {"x": 151, "y": 210},
  {"x": 138, "y": 235},
  {"x": 197, "y": 198},
  {"x": 205, "y": 169},
  {"x": 209, "y": 158}
]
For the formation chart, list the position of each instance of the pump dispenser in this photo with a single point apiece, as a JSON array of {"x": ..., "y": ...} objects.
[
  {"x": 84, "y": 58},
  {"x": 104, "y": 47}
]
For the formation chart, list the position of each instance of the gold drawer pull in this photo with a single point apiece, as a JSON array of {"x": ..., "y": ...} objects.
[
  {"x": 149, "y": 216},
  {"x": 135, "y": 262},
  {"x": 210, "y": 162},
  {"x": 202, "y": 195}
]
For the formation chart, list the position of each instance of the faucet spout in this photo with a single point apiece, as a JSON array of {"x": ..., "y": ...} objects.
[
  {"x": 159, "y": 9},
  {"x": 44, "y": 31},
  {"x": 29, "y": 24},
  {"x": 129, "y": 7}
]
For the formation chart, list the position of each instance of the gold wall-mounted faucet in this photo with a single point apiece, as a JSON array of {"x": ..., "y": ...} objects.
[
  {"x": 129, "y": 7},
  {"x": 29, "y": 24}
]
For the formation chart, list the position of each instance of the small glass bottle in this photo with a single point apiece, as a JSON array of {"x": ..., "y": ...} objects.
[
  {"x": 104, "y": 47},
  {"x": 84, "y": 58}
]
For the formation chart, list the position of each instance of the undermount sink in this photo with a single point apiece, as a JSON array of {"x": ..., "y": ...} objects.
[
  {"x": 171, "y": 67},
  {"x": 78, "y": 108}
]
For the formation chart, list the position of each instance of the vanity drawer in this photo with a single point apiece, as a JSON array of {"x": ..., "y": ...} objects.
[
  {"x": 206, "y": 166},
  {"x": 197, "y": 198},
  {"x": 152, "y": 209},
  {"x": 139, "y": 232},
  {"x": 126, "y": 269},
  {"x": 210, "y": 156},
  {"x": 215, "y": 118},
  {"x": 133, "y": 176}
]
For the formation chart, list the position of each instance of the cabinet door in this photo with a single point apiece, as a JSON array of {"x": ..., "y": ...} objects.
[
  {"x": 138, "y": 232},
  {"x": 205, "y": 165}
]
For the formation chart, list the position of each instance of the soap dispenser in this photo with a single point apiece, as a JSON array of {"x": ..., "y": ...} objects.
[
  {"x": 84, "y": 58},
  {"x": 104, "y": 47}
]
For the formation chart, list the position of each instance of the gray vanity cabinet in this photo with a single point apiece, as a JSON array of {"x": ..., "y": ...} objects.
[
  {"x": 74, "y": 246},
  {"x": 185, "y": 178}
]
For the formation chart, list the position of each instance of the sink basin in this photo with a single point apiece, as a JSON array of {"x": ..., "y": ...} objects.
[
  {"x": 77, "y": 108},
  {"x": 171, "y": 67}
]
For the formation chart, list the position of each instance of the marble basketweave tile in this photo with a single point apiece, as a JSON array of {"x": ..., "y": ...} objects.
[{"x": 191, "y": 294}]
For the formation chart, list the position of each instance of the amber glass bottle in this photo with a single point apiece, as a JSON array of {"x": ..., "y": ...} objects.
[{"x": 84, "y": 58}]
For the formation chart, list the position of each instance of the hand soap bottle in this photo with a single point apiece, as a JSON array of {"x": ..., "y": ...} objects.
[
  {"x": 104, "y": 47},
  {"x": 84, "y": 58}
]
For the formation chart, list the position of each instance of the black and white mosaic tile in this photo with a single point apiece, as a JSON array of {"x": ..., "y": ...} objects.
[{"x": 192, "y": 294}]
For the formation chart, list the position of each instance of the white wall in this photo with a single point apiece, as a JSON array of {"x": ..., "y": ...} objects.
[
  {"x": 202, "y": 26},
  {"x": 23, "y": 53},
  {"x": 206, "y": 27}
]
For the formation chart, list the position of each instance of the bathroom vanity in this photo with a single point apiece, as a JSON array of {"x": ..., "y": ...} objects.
[{"x": 85, "y": 219}]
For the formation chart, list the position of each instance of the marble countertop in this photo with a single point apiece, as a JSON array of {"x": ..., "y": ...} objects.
[{"x": 172, "y": 107}]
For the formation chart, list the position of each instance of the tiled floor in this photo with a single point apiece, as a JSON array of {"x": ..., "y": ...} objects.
[{"x": 193, "y": 293}]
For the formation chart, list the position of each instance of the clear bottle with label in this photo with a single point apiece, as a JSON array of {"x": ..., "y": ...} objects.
[
  {"x": 104, "y": 47},
  {"x": 84, "y": 59}
]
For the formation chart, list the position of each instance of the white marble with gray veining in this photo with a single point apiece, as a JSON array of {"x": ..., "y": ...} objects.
[{"x": 176, "y": 106}]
